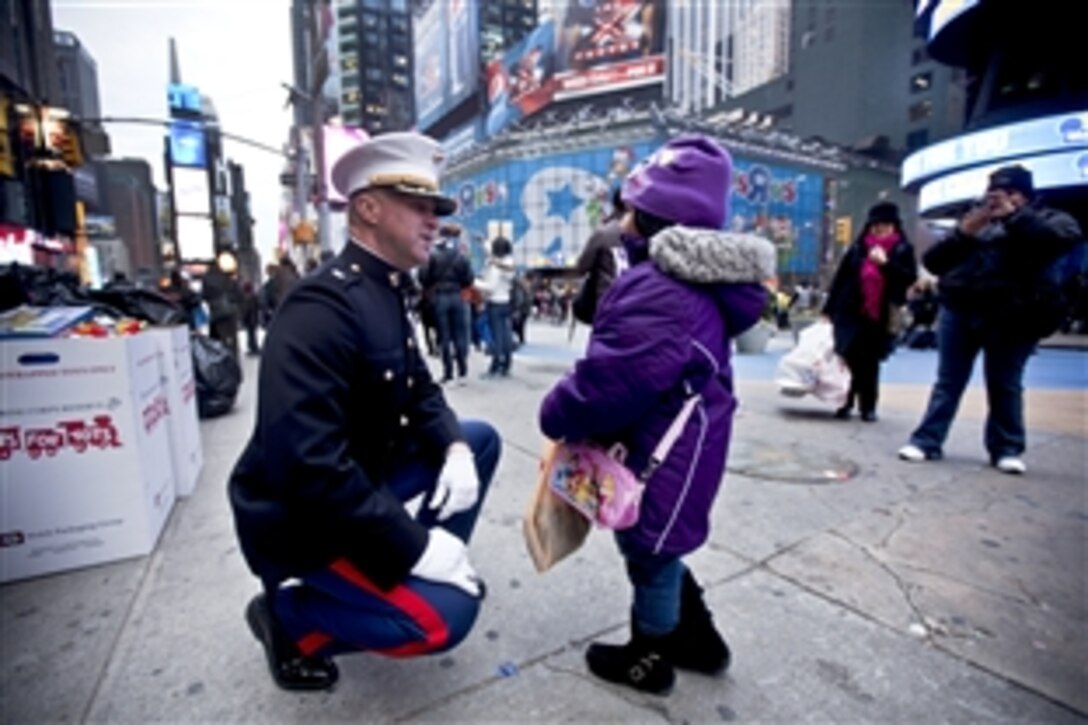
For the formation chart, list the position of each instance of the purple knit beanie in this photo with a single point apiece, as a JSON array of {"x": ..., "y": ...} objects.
[{"x": 686, "y": 181}]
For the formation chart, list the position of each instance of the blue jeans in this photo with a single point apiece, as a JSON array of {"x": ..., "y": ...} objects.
[
  {"x": 961, "y": 337},
  {"x": 502, "y": 337},
  {"x": 656, "y": 579},
  {"x": 451, "y": 319},
  {"x": 338, "y": 609}
]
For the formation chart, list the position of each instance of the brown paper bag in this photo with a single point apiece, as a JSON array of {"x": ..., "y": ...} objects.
[{"x": 553, "y": 528}]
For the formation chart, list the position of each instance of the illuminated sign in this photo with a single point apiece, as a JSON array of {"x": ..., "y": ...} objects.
[
  {"x": 446, "y": 66},
  {"x": 196, "y": 240},
  {"x": 183, "y": 100},
  {"x": 191, "y": 194},
  {"x": 1042, "y": 135},
  {"x": 587, "y": 48},
  {"x": 187, "y": 146},
  {"x": 1049, "y": 171},
  {"x": 945, "y": 11}
]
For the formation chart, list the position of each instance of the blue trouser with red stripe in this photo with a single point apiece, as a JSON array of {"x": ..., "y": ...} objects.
[{"x": 338, "y": 609}]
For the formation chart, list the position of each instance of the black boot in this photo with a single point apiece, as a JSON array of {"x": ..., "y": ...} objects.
[
  {"x": 695, "y": 644},
  {"x": 289, "y": 668},
  {"x": 640, "y": 663}
]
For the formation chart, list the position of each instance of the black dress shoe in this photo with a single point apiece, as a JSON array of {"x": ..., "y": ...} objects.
[
  {"x": 843, "y": 413},
  {"x": 869, "y": 416},
  {"x": 289, "y": 668}
]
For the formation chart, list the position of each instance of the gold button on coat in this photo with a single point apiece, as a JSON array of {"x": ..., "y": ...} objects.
[
  {"x": 388, "y": 374},
  {"x": 404, "y": 421}
]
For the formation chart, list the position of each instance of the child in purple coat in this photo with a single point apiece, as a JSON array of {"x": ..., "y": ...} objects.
[{"x": 662, "y": 333}]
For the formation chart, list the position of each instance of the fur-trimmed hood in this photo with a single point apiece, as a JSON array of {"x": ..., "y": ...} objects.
[{"x": 708, "y": 256}]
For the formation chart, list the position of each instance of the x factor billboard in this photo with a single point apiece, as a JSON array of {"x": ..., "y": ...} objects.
[{"x": 588, "y": 47}]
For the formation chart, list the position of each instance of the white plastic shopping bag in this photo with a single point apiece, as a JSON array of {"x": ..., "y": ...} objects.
[{"x": 813, "y": 368}]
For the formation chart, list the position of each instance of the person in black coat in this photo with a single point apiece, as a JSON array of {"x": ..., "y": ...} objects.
[
  {"x": 351, "y": 431},
  {"x": 872, "y": 279}
]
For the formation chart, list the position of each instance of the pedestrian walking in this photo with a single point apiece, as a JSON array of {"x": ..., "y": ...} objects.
[
  {"x": 449, "y": 274},
  {"x": 223, "y": 294},
  {"x": 350, "y": 430},
  {"x": 662, "y": 335},
  {"x": 495, "y": 285},
  {"x": 251, "y": 317},
  {"x": 521, "y": 308},
  {"x": 870, "y": 283},
  {"x": 998, "y": 298}
]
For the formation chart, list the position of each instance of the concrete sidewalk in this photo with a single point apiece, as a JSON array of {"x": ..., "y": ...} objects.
[{"x": 852, "y": 588}]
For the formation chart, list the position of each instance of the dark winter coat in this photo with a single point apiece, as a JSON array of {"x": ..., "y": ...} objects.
[
  {"x": 844, "y": 298},
  {"x": 1004, "y": 274},
  {"x": 447, "y": 271},
  {"x": 344, "y": 399},
  {"x": 663, "y": 325},
  {"x": 597, "y": 265}
]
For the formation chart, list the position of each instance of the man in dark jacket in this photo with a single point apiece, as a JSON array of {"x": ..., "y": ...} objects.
[
  {"x": 446, "y": 277},
  {"x": 997, "y": 298},
  {"x": 351, "y": 431},
  {"x": 223, "y": 294}
]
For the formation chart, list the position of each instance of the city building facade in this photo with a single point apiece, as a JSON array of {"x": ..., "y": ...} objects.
[
  {"x": 1026, "y": 103},
  {"x": 858, "y": 75},
  {"x": 720, "y": 50}
]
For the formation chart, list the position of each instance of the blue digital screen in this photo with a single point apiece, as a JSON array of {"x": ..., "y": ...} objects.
[
  {"x": 184, "y": 99},
  {"x": 187, "y": 144}
]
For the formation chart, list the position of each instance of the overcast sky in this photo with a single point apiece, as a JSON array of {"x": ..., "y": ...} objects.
[{"x": 235, "y": 51}]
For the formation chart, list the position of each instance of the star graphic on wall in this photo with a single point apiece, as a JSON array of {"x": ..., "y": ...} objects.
[{"x": 563, "y": 201}]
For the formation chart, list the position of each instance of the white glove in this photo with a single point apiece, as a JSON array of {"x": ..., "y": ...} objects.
[
  {"x": 458, "y": 485},
  {"x": 445, "y": 560}
]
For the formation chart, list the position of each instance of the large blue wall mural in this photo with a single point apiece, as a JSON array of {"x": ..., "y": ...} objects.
[{"x": 553, "y": 203}]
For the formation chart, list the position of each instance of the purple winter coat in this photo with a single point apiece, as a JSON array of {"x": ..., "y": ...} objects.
[{"x": 664, "y": 323}]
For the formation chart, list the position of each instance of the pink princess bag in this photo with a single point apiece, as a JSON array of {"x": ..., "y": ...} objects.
[{"x": 595, "y": 481}]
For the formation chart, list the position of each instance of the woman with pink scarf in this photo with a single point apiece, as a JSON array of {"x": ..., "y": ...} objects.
[{"x": 872, "y": 278}]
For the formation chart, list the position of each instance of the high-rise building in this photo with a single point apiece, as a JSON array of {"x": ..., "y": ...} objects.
[
  {"x": 374, "y": 54},
  {"x": 454, "y": 42},
  {"x": 719, "y": 50},
  {"x": 127, "y": 195},
  {"x": 858, "y": 75},
  {"x": 27, "y": 68},
  {"x": 503, "y": 24},
  {"x": 77, "y": 76},
  {"x": 77, "y": 88}
]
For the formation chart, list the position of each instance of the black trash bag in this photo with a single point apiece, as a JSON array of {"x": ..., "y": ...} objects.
[
  {"x": 218, "y": 376},
  {"x": 22, "y": 284},
  {"x": 141, "y": 304}
]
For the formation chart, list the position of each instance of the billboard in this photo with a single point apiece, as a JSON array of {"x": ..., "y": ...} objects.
[
  {"x": 589, "y": 47},
  {"x": 608, "y": 45},
  {"x": 1068, "y": 169},
  {"x": 191, "y": 192},
  {"x": 446, "y": 58},
  {"x": 1026, "y": 138},
  {"x": 184, "y": 101},
  {"x": 520, "y": 83},
  {"x": 552, "y": 204},
  {"x": 196, "y": 238},
  {"x": 187, "y": 144}
]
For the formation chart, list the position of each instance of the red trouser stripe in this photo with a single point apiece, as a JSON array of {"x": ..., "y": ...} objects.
[
  {"x": 312, "y": 643},
  {"x": 434, "y": 628}
]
